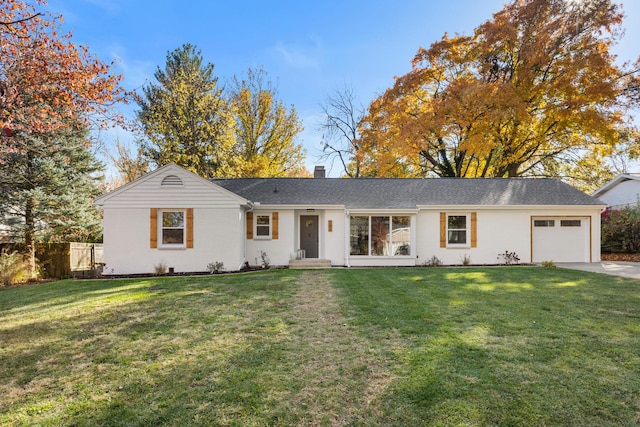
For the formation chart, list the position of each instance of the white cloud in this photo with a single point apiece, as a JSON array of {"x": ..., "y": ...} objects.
[{"x": 300, "y": 54}]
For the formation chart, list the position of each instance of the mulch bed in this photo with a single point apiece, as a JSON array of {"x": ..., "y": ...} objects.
[{"x": 621, "y": 257}]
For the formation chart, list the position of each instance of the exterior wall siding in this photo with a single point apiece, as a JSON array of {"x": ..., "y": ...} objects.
[
  {"x": 333, "y": 246},
  {"x": 626, "y": 193},
  {"x": 278, "y": 250},
  {"x": 504, "y": 230},
  {"x": 127, "y": 251}
]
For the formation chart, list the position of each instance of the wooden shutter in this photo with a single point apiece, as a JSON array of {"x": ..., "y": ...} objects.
[
  {"x": 274, "y": 226},
  {"x": 249, "y": 225},
  {"x": 474, "y": 229},
  {"x": 330, "y": 226},
  {"x": 443, "y": 229},
  {"x": 190, "y": 228},
  {"x": 153, "y": 228}
]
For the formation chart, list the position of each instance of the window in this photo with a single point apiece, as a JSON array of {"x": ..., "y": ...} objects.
[
  {"x": 544, "y": 223},
  {"x": 380, "y": 235},
  {"x": 401, "y": 235},
  {"x": 457, "y": 229},
  {"x": 570, "y": 223},
  {"x": 359, "y": 235},
  {"x": 263, "y": 226},
  {"x": 173, "y": 228}
]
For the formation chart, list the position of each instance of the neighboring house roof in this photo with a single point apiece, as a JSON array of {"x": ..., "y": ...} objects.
[
  {"x": 408, "y": 193},
  {"x": 614, "y": 182}
]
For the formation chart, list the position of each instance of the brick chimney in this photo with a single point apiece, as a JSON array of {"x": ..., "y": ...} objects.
[{"x": 318, "y": 172}]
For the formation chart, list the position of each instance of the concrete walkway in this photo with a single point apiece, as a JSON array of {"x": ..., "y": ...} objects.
[{"x": 615, "y": 268}]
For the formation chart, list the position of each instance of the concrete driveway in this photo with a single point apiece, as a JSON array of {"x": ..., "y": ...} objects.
[{"x": 615, "y": 268}]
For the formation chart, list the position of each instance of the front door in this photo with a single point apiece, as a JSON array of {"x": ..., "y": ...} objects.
[{"x": 309, "y": 235}]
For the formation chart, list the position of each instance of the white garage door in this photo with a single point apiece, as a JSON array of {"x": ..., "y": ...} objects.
[{"x": 560, "y": 239}]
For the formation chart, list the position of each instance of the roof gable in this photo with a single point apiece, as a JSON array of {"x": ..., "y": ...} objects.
[
  {"x": 614, "y": 182},
  {"x": 171, "y": 178}
]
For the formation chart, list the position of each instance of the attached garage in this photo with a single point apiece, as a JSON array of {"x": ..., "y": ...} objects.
[{"x": 561, "y": 239}]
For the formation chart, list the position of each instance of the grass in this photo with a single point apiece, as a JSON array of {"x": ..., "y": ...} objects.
[{"x": 378, "y": 347}]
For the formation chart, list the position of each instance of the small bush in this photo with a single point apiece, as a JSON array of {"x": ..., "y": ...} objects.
[
  {"x": 466, "y": 259},
  {"x": 433, "y": 262},
  {"x": 215, "y": 267},
  {"x": 548, "y": 264},
  {"x": 160, "y": 268},
  {"x": 13, "y": 268},
  {"x": 264, "y": 258},
  {"x": 509, "y": 257}
]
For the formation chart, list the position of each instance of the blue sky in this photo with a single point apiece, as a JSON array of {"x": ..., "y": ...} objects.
[{"x": 309, "y": 48}]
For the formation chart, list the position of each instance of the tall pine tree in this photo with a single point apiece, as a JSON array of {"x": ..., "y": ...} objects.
[{"x": 185, "y": 117}]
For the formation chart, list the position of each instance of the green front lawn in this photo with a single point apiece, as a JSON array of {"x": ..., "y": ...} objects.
[{"x": 373, "y": 347}]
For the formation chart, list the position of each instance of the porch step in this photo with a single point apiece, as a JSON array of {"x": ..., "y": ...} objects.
[{"x": 310, "y": 263}]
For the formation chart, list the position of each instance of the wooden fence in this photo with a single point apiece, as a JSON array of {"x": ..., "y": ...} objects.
[{"x": 62, "y": 260}]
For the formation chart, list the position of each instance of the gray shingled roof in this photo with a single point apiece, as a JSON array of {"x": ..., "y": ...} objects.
[{"x": 395, "y": 193}]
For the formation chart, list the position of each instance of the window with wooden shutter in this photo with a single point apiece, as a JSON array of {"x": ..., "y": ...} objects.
[
  {"x": 153, "y": 228},
  {"x": 249, "y": 225}
]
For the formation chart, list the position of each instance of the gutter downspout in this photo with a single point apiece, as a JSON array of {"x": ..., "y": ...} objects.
[{"x": 347, "y": 239}]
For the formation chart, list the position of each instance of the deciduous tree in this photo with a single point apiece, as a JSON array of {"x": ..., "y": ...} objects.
[
  {"x": 185, "y": 116},
  {"x": 265, "y": 132},
  {"x": 130, "y": 166},
  {"x": 46, "y": 81},
  {"x": 51, "y": 91},
  {"x": 340, "y": 134},
  {"x": 534, "y": 87}
]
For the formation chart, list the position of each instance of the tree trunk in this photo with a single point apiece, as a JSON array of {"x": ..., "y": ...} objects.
[{"x": 29, "y": 236}]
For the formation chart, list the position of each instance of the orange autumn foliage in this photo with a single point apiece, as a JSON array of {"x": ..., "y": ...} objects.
[
  {"x": 46, "y": 81},
  {"x": 532, "y": 87}
]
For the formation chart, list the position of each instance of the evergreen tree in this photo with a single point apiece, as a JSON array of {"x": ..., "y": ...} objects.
[
  {"x": 47, "y": 188},
  {"x": 185, "y": 117}
]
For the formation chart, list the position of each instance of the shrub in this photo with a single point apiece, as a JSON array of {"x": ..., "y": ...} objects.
[
  {"x": 13, "y": 268},
  {"x": 433, "y": 262},
  {"x": 466, "y": 259},
  {"x": 621, "y": 230},
  {"x": 509, "y": 257},
  {"x": 160, "y": 268},
  {"x": 215, "y": 267},
  {"x": 548, "y": 264},
  {"x": 264, "y": 258}
]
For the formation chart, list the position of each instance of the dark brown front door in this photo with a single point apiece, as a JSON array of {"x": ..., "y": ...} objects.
[{"x": 309, "y": 235}]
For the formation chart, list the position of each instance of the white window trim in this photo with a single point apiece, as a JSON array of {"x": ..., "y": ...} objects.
[
  {"x": 162, "y": 245},
  {"x": 255, "y": 226},
  {"x": 467, "y": 230}
]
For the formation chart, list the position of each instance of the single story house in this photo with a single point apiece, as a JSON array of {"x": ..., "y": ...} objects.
[
  {"x": 621, "y": 191},
  {"x": 176, "y": 218}
]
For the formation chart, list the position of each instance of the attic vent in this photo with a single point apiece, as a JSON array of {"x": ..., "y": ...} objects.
[{"x": 171, "y": 180}]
